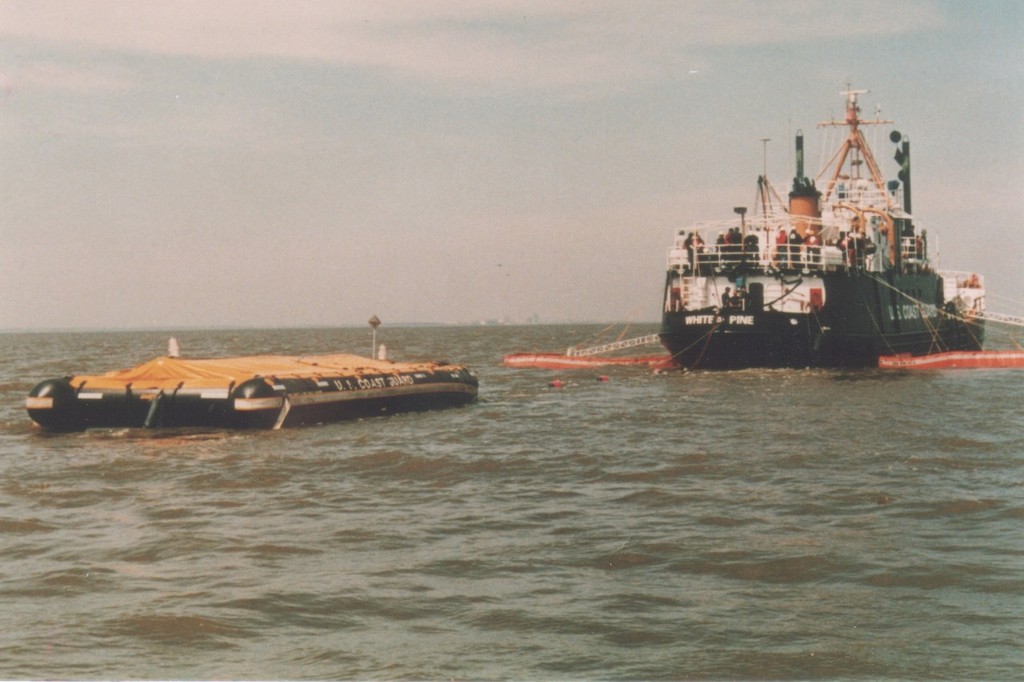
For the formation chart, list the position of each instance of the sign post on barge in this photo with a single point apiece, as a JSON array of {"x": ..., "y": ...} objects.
[{"x": 374, "y": 322}]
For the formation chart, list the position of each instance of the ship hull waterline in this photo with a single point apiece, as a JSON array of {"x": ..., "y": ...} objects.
[{"x": 864, "y": 320}]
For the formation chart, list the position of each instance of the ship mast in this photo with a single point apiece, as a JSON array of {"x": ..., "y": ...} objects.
[
  {"x": 768, "y": 199},
  {"x": 854, "y": 144}
]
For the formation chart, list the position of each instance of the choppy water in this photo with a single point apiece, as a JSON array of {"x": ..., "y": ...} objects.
[{"x": 783, "y": 524}]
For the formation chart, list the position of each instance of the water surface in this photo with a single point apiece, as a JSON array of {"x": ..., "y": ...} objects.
[{"x": 755, "y": 524}]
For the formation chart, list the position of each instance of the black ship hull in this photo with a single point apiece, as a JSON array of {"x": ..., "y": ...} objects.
[{"x": 866, "y": 315}]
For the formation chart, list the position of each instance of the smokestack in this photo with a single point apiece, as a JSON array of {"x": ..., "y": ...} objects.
[
  {"x": 799, "y": 156},
  {"x": 803, "y": 200}
]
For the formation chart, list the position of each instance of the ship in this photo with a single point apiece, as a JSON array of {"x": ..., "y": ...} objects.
[
  {"x": 250, "y": 392},
  {"x": 838, "y": 276}
]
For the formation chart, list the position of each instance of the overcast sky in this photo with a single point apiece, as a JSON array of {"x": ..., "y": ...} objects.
[{"x": 268, "y": 163}]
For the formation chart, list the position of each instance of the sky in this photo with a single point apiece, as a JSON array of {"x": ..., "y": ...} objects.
[{"x": 262, "y": 163}]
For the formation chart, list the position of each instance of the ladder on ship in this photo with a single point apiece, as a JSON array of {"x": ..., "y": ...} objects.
[{"x": 575, "y": 352}]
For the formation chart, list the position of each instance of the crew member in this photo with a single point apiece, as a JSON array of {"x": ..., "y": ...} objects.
[
  {"x": 813, "y": 243},
  {"x": 795, "y": 240},
  {"x": 781, "y": 247}
]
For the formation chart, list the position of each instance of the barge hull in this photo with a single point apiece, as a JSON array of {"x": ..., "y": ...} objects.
[{"x": 247, "y": 393}]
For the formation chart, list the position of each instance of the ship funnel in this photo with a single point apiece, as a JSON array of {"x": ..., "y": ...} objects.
[
  {"x": 799, "y": 155},
  {"x": 805, "y": 199}
]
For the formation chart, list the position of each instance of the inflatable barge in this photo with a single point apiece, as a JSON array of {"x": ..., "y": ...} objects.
[{"x": 254, "y": 392}]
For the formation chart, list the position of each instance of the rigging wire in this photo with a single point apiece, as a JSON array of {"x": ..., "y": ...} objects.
[
  {"x": 704, "y": 350},
  {"x": 706, "y": 339},
  {"x": 1005, "y": 299},
  {"x": 936, "y": 339},
  {"x": 878, "y": 329}
]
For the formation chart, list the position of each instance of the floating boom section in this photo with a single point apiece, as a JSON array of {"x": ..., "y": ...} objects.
[{"x": 982, "y": 359}]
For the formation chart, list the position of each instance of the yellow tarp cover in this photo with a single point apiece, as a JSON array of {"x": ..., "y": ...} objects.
[{"x": 168, "y": 373}]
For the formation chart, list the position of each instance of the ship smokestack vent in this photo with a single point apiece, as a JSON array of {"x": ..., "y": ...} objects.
[{"x": 800, "y": 156}]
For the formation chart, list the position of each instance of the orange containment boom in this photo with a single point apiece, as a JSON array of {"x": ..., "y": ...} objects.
[{"x": 981, "y": 359}]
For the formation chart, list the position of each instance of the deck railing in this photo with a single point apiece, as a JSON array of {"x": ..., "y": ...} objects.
[
  {"x": 766, "y": 243},
  {"x": 705, "y": 261}
]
